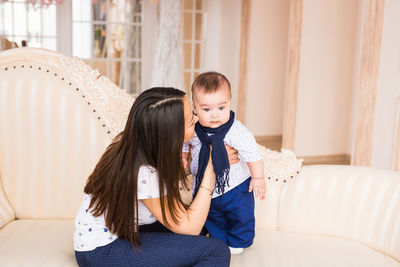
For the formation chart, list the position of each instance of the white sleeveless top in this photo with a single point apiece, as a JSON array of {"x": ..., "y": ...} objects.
[{"x": 91, "y": 232}]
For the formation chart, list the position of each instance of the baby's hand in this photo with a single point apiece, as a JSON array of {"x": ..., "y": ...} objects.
[{"x": 258, "y": 185}]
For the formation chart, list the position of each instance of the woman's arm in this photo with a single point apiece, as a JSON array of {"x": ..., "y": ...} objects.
[{"x": 191, "y": 221}]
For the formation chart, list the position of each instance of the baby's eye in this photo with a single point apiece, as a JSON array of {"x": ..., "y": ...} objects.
[
  {"x": 206, "y": 109},
  {"x": 221, "y": 108}
]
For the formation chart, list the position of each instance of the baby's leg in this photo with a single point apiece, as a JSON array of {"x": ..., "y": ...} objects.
[
  {"x": 216, "y": 223},
  {"x": 241, "y": 217}
]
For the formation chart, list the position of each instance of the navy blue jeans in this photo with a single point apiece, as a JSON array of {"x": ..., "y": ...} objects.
[{"x": 159, "y": 247}]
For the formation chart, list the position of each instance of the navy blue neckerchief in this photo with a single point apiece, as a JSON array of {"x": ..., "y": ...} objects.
[{"x": 219, "y": 155}]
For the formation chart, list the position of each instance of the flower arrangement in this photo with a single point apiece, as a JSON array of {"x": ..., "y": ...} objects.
[{"x": 99, "y": 33}]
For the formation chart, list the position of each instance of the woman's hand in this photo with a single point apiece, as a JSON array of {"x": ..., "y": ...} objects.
[
  {"x": 232, "y": 155},
  {"x": 209, "y": 175},
  {"x": 192, "y": 220}
]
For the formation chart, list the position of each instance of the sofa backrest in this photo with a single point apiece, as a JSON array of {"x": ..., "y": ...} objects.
[
  {"x": 57, "y": 116},
  {"x": 358, "y": 203}
]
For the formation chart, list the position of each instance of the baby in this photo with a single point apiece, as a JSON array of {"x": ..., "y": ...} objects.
[{"x": 231, "y": 215}]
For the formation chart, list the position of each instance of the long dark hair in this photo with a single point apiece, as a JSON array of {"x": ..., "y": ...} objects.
[{"x": 153, "y": 136}]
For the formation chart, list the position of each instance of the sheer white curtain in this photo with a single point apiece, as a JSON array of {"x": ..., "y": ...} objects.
[{"x": 168, "y": 59}]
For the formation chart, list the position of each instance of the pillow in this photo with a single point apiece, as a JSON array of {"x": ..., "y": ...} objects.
[{"x": 280, "y": 166}]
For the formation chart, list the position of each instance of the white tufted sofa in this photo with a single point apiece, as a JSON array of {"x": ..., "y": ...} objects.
[{"x": 56, "y": 118}]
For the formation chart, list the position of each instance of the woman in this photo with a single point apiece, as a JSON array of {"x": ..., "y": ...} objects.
[{"x": 132, "y": 202}]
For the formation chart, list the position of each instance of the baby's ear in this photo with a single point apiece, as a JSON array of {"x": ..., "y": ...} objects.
[{"x": 194, "y": 108}]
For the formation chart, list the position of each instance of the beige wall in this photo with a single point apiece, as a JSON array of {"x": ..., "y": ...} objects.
[
  {"x": 388, "y": 87},
  {"x": 267, "y": 49},
  {"x": 328, "y": 45},
  {"x": 229, "y": 48},
  {"x": 222, "y": 41},
  {"x": 331, "y": 47}
]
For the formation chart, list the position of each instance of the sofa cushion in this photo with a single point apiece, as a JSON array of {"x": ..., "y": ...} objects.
[
  {"x": 50, "y": 243},
  {"x": 6, "y": 212},
  {"x": 285, "y": 249},
  {"x": 37, "y": 243}
]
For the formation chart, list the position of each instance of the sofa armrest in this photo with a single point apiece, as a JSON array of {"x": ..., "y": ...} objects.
[
  {"x": 6, "y": 212},
  {"x": 280, "y": 168}
]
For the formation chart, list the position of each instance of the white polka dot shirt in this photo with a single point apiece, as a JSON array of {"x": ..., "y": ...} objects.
[
  {"x": 91, "y": 232},
  {"x": 238, "y": 137}
]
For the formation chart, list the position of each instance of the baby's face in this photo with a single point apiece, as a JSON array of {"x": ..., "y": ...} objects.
[{"x": 213, "y": 109}]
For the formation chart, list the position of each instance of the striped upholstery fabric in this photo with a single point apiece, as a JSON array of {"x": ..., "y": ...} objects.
[
  {"x": 50, "y": 141},
  {"x": 6, "y": 212},
  {"x": 57, "y": 116},
  {"x": 357, "y": 203}
]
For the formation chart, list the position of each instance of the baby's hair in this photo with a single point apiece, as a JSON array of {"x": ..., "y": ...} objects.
[{"x": 210, "y": 82}]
